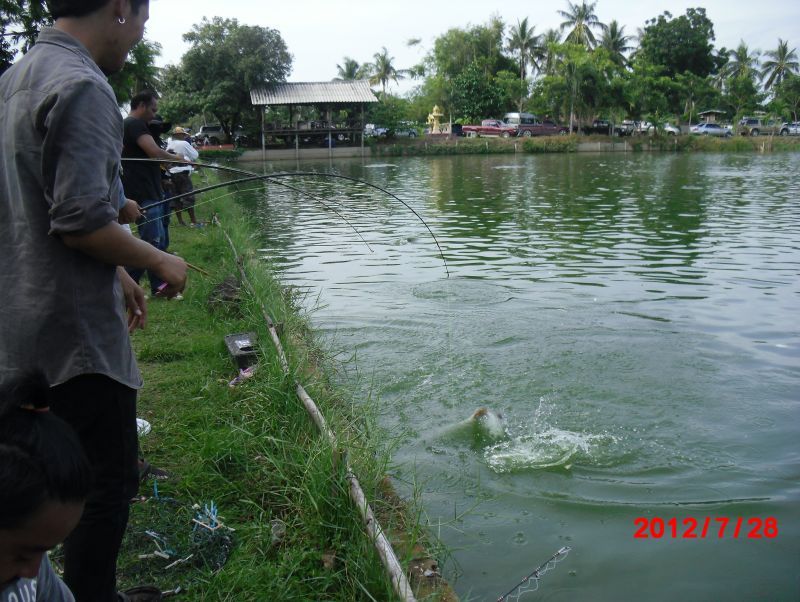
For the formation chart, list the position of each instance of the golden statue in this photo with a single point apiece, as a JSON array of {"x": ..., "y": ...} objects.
[{"x": 433, "y": 120}]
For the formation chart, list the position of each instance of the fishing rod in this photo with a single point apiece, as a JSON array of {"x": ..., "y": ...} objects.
[
  {"x": 546, "y": 566},
  {"x": 241, "y": 181},
  {"x": 250, "y": 176}
]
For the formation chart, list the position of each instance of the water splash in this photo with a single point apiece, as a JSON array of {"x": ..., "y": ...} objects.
[
  {"x": 543, "y": 449},
  {"x": 539, "y": 444}
]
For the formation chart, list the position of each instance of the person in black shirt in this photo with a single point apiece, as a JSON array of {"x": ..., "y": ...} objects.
[{"x": 142, "y": 180}]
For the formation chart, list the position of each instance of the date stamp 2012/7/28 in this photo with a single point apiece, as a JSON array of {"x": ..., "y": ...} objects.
[{"x": 719, "y": 527}]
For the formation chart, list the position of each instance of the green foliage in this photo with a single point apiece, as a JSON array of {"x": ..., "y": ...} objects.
[
  {"x": 389, "y": 112},
  {"x": 787, "y": 96},
  {"x": 550, "y": 144},
  {"x": 681, "y": 44},
  {"x": 513, "y": 90},
  {"x": 139, "y": 73},
  {"x": 225, "y": 62},
  {"x": 220, "y": 154},
  {"x": 476, "y": 95},
  {"x": 383, "y": 70},
  {"x": 781, "y": 63},
  {"x": 581, "y": 19},
  {"x": 20, "y": 22},
  {"x": 742, "y": 95}
]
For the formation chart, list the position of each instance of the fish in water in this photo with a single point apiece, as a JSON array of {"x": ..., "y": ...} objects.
[
  {"x": 488, "y": 424},
  {"x": 483, "y": 427}
]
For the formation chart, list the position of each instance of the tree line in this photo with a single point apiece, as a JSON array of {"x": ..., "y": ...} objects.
[{"x": 668, "y": 70}]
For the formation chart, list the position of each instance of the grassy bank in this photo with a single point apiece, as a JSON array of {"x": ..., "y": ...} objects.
[
  {"x": 251, "y": 449},
  {"x": 570, "y": 144}
]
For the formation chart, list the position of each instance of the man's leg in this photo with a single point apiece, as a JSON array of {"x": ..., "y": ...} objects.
[
  {"x": 103, "y": 414},
  {"x": 151, "y": 230}
]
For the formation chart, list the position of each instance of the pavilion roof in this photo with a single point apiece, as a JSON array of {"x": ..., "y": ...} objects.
[{"x": 307, "y": 93}]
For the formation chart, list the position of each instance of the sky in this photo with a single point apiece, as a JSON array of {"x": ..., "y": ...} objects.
[{"x": 320, "y": 33}]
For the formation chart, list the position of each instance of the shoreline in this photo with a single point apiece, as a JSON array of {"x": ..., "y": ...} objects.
[
  {"x": 252, "y": 449},
  {"x": 544, "y": 144}
]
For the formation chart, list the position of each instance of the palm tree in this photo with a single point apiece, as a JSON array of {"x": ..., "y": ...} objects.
[
  {"x": 581, "y": 19},
  {"x": 383, "y": 70},
  {"x": 782, "y": 62},
  {"x": 616, "y": 42},
  {"x": 348, "y": 70},
  {"x": 742, "y": 62},
  {"x": 523, "y": 40},
  {"x": 548, "y": 61}
]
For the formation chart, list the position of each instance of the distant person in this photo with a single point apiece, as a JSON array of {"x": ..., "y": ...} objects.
[
  {"x": 142, "y": 180},
  {"x": 181, "y": 175},
  {"x": 46, "y": 479},
  {"x": 63, "y": 296}
]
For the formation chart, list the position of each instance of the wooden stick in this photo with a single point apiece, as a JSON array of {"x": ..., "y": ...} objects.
[{"x": 196, "y": 269}]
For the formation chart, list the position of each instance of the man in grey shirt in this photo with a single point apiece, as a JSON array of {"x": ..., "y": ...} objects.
[{"x": 62, "y": 294}]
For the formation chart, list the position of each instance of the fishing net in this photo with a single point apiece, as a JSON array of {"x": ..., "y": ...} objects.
[
  {"x": 531, "y": 583},
  {"x": 171, "y": 543}
]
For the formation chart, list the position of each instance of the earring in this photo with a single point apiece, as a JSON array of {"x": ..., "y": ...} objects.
[{"x": 121, "y": 20}]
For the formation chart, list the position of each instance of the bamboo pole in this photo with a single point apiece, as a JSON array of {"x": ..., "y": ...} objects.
[{"x": 400, "y": 582}]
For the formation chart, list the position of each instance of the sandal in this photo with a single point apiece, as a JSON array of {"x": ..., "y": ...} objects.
[{"x": 148, "y": 470}]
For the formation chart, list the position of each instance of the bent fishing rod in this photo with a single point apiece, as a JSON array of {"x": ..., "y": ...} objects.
[
  {"x": 249, "y": 176},
  {"x": 242, "y": 180}
]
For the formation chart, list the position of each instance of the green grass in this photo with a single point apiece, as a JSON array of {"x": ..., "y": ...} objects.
[{"x": 252, "y": 449}]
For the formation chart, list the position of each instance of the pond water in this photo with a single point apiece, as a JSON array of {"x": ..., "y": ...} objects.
[{"x": 633, "y": 317}]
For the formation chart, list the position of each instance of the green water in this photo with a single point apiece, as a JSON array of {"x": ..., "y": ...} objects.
[{"x": 634, "y": 317}]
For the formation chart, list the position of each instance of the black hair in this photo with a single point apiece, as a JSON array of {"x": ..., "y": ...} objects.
[
  {"x": 145, "y": 97},
  {"x": 80, "y": 8},
  {"x": 41, "y": 459}
]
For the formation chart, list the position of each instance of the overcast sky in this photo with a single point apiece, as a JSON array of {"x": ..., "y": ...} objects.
[{"x": 320, "y": 33}]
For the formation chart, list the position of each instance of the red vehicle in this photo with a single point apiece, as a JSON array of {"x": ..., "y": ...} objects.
[
  {"x": 528, "y": 124},
  {"x": 489, "y": 127}
]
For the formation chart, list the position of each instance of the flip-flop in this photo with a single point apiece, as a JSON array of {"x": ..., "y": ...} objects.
[{"x": 148, "y": 470}]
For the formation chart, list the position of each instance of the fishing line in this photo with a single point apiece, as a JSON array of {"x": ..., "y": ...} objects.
[
  {"x": 530, "y": 583},
  {"x": 249, "y": 179},
  {"x": 250, "y": 176}
]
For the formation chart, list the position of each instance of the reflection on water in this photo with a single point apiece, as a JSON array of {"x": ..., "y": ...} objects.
[{"x": 633, "y": 317}]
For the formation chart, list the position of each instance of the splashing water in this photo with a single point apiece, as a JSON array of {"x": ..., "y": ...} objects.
[
  {"x": 541, "y": 445},
  {"x": 544, "y": 449}
]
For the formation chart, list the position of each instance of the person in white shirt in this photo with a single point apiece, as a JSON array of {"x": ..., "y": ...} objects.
[{"x": 182, "y": 175}]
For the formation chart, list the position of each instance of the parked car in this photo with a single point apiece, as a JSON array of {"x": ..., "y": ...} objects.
[
  {"x": 710, "y": 129},
  {"x": 599, "y": 126},
  {"x": 667, "y": 128},
  {"x": 404, "y": 129},
  {"x": 626, "y": 128},
  {"x": 489, "y": 127},
  {"x": 214, "y": 134},
  {"x": 758, "y": 126},
  {"x": 528, "y": 124},
  {"x": 790, "y": 129}
]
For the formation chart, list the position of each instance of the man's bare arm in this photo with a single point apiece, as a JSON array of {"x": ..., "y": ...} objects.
[{"x": 114, "y": 245}]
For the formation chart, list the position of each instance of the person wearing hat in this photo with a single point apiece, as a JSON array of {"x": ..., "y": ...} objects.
[{"x": 182, "y": 175}]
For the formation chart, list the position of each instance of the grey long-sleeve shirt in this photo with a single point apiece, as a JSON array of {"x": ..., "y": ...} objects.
[{"x": 61, "y": 311}]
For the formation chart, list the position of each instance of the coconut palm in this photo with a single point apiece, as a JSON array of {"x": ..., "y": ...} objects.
[
  {"x": 616, "y": 42},
  {"x": 548, "y": 61},
  {"x": 742, "y": 62},
  {"x": 383, "y": 70},
  {"x": 782, "y": 62},
  {"x": 524, "y": 40},
  {"x": 580, "y": 20},
  {"x": 348, "y": 70}
]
